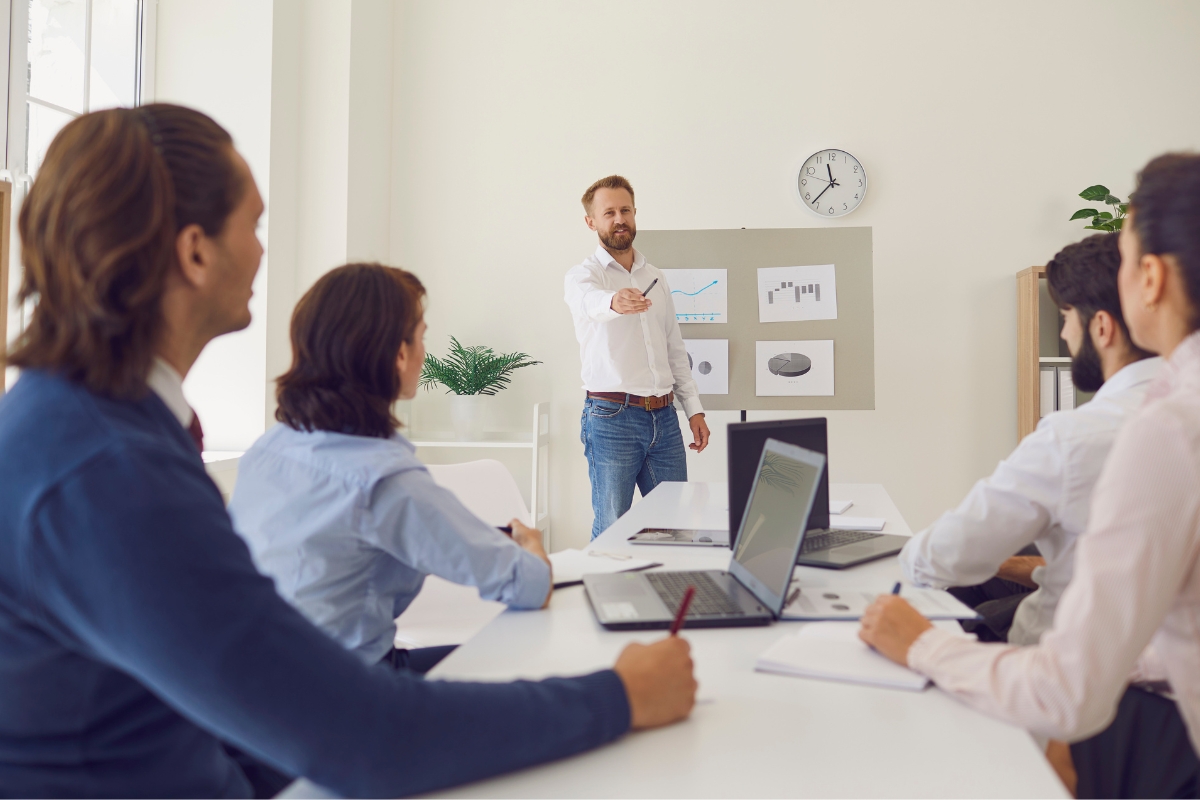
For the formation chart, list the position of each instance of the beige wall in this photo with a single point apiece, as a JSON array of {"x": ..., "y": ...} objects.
[{"x": 977, "y": 123}]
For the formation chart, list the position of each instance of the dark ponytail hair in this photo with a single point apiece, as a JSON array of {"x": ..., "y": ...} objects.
[
  {"x": 1166, "y": 217},
  {"x": 346, "y": 335}
]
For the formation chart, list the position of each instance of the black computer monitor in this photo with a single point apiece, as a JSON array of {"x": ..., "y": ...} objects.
[{"x": 746, "y": 440}]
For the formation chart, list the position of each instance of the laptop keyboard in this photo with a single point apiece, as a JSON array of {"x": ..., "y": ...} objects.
[
  {"x": 827, "y": 540},
  {"x": 710, "y": 600}
]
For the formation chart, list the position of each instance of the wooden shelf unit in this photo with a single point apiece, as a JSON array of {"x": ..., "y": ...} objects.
[{"x": 1028, "y": 349}]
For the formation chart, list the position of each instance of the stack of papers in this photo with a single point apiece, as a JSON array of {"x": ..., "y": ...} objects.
[
  {"x": 849, "y": 604},
  {"x": 832, "y": 651},
  {"x": 571, "y": 565},
  {"x": 839, "y": 522}
]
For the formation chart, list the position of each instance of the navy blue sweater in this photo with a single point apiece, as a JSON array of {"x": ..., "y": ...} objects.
[{"x": 135, "y": 631}]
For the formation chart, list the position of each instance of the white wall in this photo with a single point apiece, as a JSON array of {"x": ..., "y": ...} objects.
[
  {"x": 216, "y": 56},
  {"x": 978, "y": 124},
  {"x": 305, "y": 88}
]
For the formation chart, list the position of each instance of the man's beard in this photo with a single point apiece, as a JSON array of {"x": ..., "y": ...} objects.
[
  {"x": 1086, "y": 371},
  {"x": 619, "y": 239}
]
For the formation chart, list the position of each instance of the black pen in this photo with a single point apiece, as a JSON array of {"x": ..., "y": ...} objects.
[
  {"x": 648, "y": 288},
  {"x": 506, "y": 529},
  {"x": 896, "y": 588}
]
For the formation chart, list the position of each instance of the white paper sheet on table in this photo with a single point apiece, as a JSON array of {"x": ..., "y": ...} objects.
[
  {"x": 830, "y": 603},
  {"x": 839, "y": 506},
  {"x": 843, "y": 523},
  {"x": 832, "y": 651},
  {"x": 571, "y": 565}
]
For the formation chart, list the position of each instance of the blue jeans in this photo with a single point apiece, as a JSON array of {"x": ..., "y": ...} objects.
[{"x": 627, "y": 445}]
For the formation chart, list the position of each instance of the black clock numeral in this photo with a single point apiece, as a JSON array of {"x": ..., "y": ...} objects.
[
  {"x": 860, "y": 181},
  {"x": 804, "y": 181},
  {"x": 806, "y": 195},
  {"x": 855, "y": 197},
  {"x": 833, "y": 156},
  {"x": 856, "y": 169},
  {"x": 831, "y": 209},
  {"x": 811, "y": 171},
  {"x": 845, "y": 207},
  {"x": 818, "y": 159}
]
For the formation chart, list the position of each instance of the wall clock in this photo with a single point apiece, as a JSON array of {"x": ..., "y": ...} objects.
[{"x": 832, "y": 183}]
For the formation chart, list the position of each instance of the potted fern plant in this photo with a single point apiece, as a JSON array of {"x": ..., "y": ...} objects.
[{"x": 471, "y": 374}]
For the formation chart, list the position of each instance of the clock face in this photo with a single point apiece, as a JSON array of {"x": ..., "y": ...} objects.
[{"x": 832, "y": 183}]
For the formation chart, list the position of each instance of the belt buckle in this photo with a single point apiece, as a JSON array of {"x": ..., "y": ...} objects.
[{"x": 646, "y": 402}]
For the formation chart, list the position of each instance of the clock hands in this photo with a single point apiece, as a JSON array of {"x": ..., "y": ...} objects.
[{"x": 832, "y": 183}]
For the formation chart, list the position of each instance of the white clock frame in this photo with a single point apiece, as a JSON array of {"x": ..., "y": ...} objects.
[{"x": 799, "y": 172}]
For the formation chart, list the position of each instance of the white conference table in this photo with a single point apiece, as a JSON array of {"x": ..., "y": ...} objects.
[{"x": 751, "y": 734}]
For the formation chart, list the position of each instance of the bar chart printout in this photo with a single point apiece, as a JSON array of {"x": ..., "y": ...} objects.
[
  {"x": 700, "y": 295},
  {"x": 793, "y": 294}
]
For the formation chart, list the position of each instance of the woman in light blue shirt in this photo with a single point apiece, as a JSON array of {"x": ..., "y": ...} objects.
[{"x": 332, "y": 501}]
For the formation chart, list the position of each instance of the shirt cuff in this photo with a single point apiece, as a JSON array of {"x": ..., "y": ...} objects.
[
  {"x": 598, "y": 305},
  {"x": 923, "y": 653},
  {"x": 533, "y": 582},
  {"x": 692, "y": 407}
]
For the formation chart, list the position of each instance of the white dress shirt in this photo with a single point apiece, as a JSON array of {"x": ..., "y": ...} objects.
[
  {"x": 1039, "y": 495},
  {"x": 165, "y": 382},
  {"x": 1137, "y": 581},
  {"x": 640, "y": 354}
]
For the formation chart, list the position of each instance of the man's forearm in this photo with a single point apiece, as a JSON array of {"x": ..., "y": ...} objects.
[{"x": 1019, "y": 569}]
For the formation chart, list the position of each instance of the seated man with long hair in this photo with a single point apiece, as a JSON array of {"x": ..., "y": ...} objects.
[
  {"x": 139, "y": 646},
  {"x": 333, "y": 502}
]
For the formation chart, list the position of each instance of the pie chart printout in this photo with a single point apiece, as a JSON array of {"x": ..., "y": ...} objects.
[
  {"x": 709, "y": 362},
  {"x": 789, "y": 365},
  {"x": 794, "y": 369}
]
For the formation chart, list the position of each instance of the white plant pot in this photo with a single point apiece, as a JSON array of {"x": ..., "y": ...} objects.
[{"x": 466, "y": 414}]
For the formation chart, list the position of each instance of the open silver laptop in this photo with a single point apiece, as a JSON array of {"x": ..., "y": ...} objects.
[{"x": 754, "y": 590}]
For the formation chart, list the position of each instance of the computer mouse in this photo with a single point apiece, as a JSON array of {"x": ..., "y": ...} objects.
[{"x": 704, "y": 539}]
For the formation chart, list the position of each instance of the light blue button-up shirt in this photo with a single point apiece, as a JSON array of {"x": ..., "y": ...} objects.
[{"x": 349, "y": 526}]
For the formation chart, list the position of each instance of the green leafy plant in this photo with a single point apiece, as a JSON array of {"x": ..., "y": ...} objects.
[
  {"x": 1102, "y": 220},
  {"x": 472, "y": 370}
]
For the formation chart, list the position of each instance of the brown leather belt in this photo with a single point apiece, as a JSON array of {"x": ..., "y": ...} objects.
[{"x": 637, "y": 401}]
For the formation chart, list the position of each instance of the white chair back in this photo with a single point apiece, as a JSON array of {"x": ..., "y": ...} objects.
[
  {"x": 446, "y": 613},
  {"x": 486, "y": 487}
]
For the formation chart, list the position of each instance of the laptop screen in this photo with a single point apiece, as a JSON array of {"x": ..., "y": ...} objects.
[
  {"x": 772, "y": 526},
  {"x": 744, "y": 445}
]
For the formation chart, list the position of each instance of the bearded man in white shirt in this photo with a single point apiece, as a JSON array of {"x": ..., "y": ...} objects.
[
  {"x": 634, "y": 362},
  {"x": 1041, "y": 493}
]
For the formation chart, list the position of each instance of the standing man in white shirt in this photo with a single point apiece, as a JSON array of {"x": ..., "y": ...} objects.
[
  {"x": 634, "y": 362},
  {"x": 1041, "y": 493}
]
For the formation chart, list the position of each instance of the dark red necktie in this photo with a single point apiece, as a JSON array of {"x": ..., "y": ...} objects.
[{"x": 196, "y": 432}]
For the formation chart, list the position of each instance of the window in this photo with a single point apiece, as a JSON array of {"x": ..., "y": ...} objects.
[{"x": 66, "y": 58}]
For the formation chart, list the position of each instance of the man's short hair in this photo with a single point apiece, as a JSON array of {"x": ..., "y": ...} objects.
[
  {"x": 1083, "y": 276},
  {"x": 611, "y": 182}
]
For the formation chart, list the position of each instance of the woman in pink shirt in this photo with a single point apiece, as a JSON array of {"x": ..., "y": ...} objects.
[{"x": 1137, "y": 576}]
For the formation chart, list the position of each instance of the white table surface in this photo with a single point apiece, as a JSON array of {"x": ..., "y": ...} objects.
[{"x": 751, "y": 734}]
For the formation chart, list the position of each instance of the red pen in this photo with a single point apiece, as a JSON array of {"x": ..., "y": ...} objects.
[{"x": 683, "y": 609}]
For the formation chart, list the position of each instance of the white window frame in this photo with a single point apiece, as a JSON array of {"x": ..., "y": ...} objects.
[{"x": 14, "y": 26}]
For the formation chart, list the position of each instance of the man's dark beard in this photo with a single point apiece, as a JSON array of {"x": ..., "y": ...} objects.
[
  {"x": 610, "y": 241},
  {"x": 1085, "y": 366}
]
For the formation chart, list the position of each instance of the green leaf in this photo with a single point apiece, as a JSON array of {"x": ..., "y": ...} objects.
[
  {"x": 1118, "y": 223},
  {"x": 1103, "y": 215},
  {"x": 1084, "y": 213},
  {"x": 1112, "y": 201},
  {"x": 1094, "y": 193},
  {"x": 1123, "y": 208}
]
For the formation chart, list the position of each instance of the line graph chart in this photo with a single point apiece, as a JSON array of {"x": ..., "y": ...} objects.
[{"x": 700, "y": 295}]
